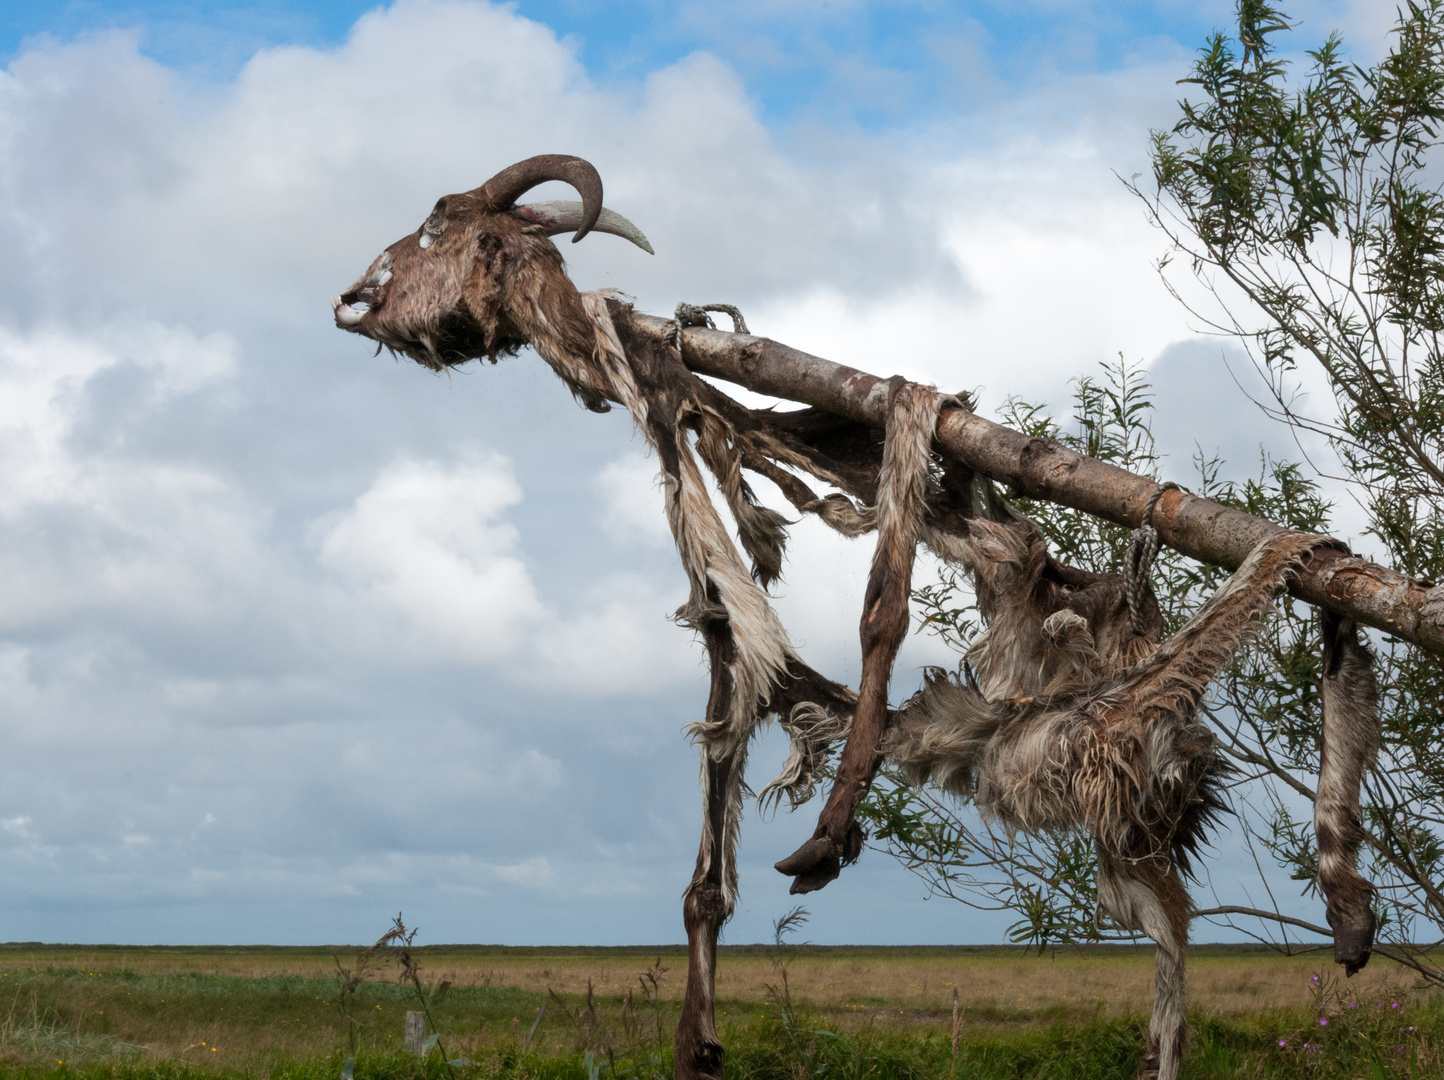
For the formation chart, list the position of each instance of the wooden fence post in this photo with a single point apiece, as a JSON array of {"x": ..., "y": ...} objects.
[{"x": 415, "y": 1030}]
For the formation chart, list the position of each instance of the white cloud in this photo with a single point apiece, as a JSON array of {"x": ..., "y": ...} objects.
[
  {"x": 533, "y": 873},
  {"x": 428, "y": 544},
  {"x": 424, "y": 539},
  {"x": 634, "y": 513},
  {"x": 259, "y": 579}
]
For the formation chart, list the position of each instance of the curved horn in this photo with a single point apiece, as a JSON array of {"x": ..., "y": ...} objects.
[
  {"x": 503, "y": 189},
  {"x": 564, "y": 216}
]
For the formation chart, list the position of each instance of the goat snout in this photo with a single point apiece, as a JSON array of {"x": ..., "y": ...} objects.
[
  {"x": 367, "y": 294},
  {"x": 347, "y": 317}
]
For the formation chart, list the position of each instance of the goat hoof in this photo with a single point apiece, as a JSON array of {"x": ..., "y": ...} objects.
[
  {"x": 1352, "y": 948},
  {"x": 1353, "y": 940},
  {"x": 813, "y": 865},
  {"x": 1148, "y": 1066},
  {"x": 702, "y": 1060},
  {"x": 815, "y": 879}
]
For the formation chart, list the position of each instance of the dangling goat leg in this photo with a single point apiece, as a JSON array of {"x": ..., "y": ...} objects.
[
  {"x": 1350, "y": 742},
  {"x": 902, "y": 497},
  {"x": 711, "y": 895},
  {"x": 1147, "y": 895}
]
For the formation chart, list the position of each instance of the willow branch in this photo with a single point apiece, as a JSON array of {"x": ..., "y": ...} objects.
[{"x": 1260, "y": 913}]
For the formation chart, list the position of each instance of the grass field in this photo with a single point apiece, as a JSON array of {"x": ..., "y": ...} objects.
[{"x": 849, "y": 1012}]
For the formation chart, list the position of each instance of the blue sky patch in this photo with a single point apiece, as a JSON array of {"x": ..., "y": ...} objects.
[{"x": 838, "y": 63}]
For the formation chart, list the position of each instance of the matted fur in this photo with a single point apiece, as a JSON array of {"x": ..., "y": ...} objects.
[
  {"x": 1124, "y": 758},
  {"x": 761, "y": 648},
  {"x": 1122, "y": 755},
  {"x": 812, "y": 731},
  {"x": 1042, "y": 636},
  {"x": 1350, "y": 743}
]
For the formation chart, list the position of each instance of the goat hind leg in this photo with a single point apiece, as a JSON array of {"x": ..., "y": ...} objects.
[
  {"x": 1350, "y": 741},
  {"x": 1148, "y": 895},
  {"x": 706, "y": 905},
  {"x": 711, "y": 895}
]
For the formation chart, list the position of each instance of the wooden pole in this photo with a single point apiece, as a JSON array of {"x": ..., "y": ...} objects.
[
  {"x": 415, "y": 1030},
  {"x": 1202, "y": 529}
]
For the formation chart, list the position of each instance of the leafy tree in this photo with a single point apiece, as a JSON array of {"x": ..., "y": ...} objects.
[{"x": 1311, "y": 216}]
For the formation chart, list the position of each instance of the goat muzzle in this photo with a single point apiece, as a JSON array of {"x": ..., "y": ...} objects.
[{"x": 347, "y": 317}]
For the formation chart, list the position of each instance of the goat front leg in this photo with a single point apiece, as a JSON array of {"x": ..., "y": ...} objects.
[
  {"x": 1349, "y": 744},
  {"x": 712, "y": 893},
  {"x": 1147, "y": 895},
  {"x": 837, "y": 840}
]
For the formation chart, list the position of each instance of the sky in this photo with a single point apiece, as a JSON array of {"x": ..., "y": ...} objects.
[{"x": 293, "y": 636}]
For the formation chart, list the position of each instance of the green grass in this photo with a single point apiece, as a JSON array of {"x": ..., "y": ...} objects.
[
  {"x": 764, "y": 1051},
  {"x": 142, "y": 1015}
]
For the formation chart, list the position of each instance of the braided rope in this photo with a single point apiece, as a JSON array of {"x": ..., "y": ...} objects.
[
  {"x": 696, "y": 315},
  {"x": 1138, "y": 559}
]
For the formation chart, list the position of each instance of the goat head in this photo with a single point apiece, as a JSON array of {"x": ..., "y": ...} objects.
[{"x": 480, "y": 278}]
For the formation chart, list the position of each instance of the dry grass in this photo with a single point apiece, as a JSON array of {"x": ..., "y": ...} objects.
[
  {"x": 271, "y": 1010},
  {"x": 1223, "y": 980}
]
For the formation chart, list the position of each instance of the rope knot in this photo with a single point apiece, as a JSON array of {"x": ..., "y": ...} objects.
[
  {"x": 696, "y": 315},
  {"x": 1138, "y": 559}
]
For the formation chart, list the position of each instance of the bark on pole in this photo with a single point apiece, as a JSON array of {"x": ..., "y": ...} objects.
[{"x": 1202, "y": 529}]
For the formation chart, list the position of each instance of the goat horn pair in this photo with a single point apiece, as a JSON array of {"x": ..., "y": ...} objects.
[{"x": 502, "y": 190}]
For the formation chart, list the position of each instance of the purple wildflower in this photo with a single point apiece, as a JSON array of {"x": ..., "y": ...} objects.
[
  {"x": 1323, "y": 1021},
  {"x": 1283, "y": 1042},
  {"x": 1313, "y": 980}
]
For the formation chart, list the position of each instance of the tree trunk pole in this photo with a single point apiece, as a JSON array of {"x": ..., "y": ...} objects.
[{"x": 1202, "y": 529}]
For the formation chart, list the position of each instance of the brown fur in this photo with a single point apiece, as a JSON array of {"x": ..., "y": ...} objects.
[{"x": 902, "y": 500}]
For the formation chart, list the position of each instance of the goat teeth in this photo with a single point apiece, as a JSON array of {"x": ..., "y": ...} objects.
[{"x": 345, "y": 314}]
